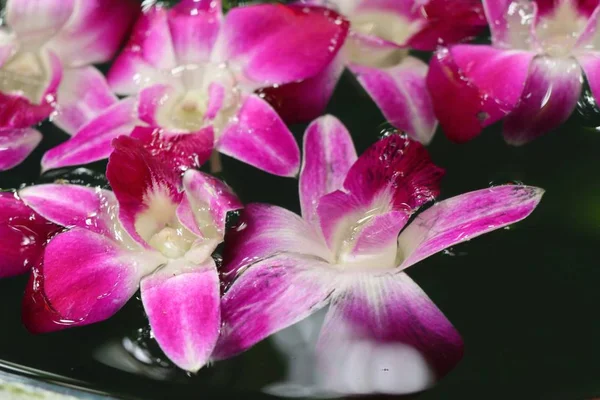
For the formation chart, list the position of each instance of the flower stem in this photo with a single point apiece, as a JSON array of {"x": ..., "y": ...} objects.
[{"x": 215, "y": 162}]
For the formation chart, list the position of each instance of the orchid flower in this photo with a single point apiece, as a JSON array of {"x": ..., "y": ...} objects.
[
  {"x": 23, "y": 234},
  {"x": 377, "y": 52},
  {"x": 148, "y": 234},
  {"x": 351, "y": 246},
  {"x": 46, "y": 49},
  {"x": 191, "y": 73},
  {"x": 531, "y": 75}
]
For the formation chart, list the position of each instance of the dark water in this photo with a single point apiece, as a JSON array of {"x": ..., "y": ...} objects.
[{"x": 526, "y": 300}]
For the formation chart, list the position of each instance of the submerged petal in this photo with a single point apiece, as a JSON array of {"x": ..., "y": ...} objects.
[
  {"x": 389, "y": 320},
  {"x": 550, "y": 96},
  {"x": 36, "y": 21},
  {"x": 465, "y": 217},
  {"x": 258, "y": 136},
  {"x": 270, "y": 295},
  {"x": 93, "y": 141},
  {"x": 328, "y": 155},
  {"x": 182, "y": 304},
  {"x": 147, "y": 189},
  {"x": 16, "y": 145},
  {"x": 401, "y": 94}
]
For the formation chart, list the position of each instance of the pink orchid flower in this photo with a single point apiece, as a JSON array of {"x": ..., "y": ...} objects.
[
  {"x": 46, "y": 49},
  {"x": 351, "y": 246},
  {"x": 23, "y": 234},
  {"x": 191, "y": 75},
  {"x": 377, "y": 52},
  {"x": 148, "y": 234},
  {"x": 531, "y": 75}
]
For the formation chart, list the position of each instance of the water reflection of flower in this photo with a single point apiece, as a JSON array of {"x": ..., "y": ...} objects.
[
  {"x": 150, "y": 234},
  {"x": 191, "y": 73},
  {"x": 46, "y": 52},
  {"x": 531, "y": 75},
  {"x": 350, "y": 250}
]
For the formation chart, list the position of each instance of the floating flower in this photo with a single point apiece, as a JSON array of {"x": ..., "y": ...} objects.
[
  {"x": 351, "y": 247},
  {"x": 531, "y": 74},
  {"x": 23, "y": 234},
  {"x": 194, "y": 73},
  {"x": 377, "y": 52},
  {"x": 46, "y": 49},
  {"x": 148, "y": 234}
]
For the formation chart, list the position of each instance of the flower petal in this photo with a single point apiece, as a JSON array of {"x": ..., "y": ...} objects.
[
  {"x": 95, "y": 31},
  {"x": 385, "y": 318},
  {"x": 146, "y": 56},
  {"x": 182, "y": 304},
  {"x": 270, "y": 295},
  {"x": 93, "y": 141},
  {"x": 82, "y": 95},
  {"x": 472, "y": 107},
  {"x": 397, "y": 171},
  {"x": 328, "y": 155},
  {"x": 464, "y": 217},
  {"x": 194, "y": 31},
  {"x": 180, "y": 151},
  {"x": 291, "y": 43},
  {"x": 35, "y": 21},
  {"x": 87, "y": 277},
  {"x": 209, "y": 201},
  {"x": 147, "y": 190},
  {"x": 258, "y": 136},
  {"x": 550, "y": 96},
  {"x": 23, "y": 234},
  {"x": 16, "y": 145},
  {"x": 263, "y": 231},
  {"x": 401, "y": 94},
  {"x": 69, "y": 205},
  {"x": 511, "y": 22}
]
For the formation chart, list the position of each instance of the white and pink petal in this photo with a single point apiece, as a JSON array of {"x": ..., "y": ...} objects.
[{"x": 16, "y": 144}]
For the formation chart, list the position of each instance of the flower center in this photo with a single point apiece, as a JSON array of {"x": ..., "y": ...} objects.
[
  {"x": 189, "y": 110},
  {"x": 26, "y": 74},
  {"x": 171, "y": 242},
  {"x": 558, "y": 33}
]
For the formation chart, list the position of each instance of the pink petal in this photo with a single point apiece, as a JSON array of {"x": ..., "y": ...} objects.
[
  {"x": 511, "y": 22},
  {"x": 401, "y": 94},
  {"x": 147, "y": 190},
  {"x": 180, "y": 151},
  {"x": 473, "y": 107},
  {"x": 152, "y": 100},
  {"x": 306, "y": 100},
  {"x": 24, "y": 107},
  {"x": 270, "y": 295},
  {"x": 464, "y": 217},
  {"x": 82, "y": 95},
  {"x": 23, "y": 234},
  {"x": 385, "y": 320},
  {"x": 263, "y": 231},
  {"x": 69, "y": 205},
  {"x": 36, "y": 21},
  {"x": 209, "y": 200},
  {"x": 291, "y": 43},
  {"x": 183, "y": 308},
  {"x": 550, "y": 96},
  {"x": 87, "y": 277},
  {"x": 584, "y": 7},
  {"x": 397, "y": 170},
  {"x": 16, "y": 145},
  {"x": 194, "y": 31},
  {"x": 328, "y": 155},
  {"x": 194, "y": 6},
  {"x": 447, "y": 22},
  {"x": 258, "y": 136},
  {"x": 93, "y": 141},
  {"x": 148, "y": 51},
  {"x": 588, "y": 37},
  {"x": 95, "y": 31}
]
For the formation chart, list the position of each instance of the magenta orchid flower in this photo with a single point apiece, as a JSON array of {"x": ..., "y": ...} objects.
[
  {"x": 46, "y": 49},
  {"x": 23, "y": 234},
  {"x": 377, "y": 52},
  {"x": 531, "y": 74},
  {"x": 148, "y": 234},
  {"x": 192, "y": 73},
  {"x": 352, "y": 245}
]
